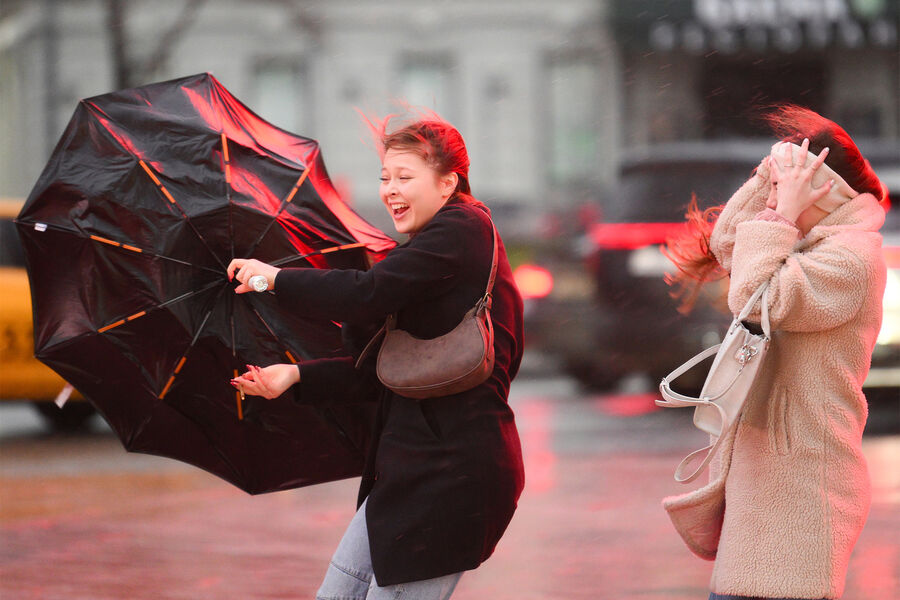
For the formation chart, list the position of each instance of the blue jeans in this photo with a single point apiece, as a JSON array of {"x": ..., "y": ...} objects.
[
  {"x": 715, "y": 596},
  {"x": 350, "y": 575}
]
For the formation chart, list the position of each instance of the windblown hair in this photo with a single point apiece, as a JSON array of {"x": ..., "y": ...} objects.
[
  {"x": 692, "y": 256},
  {"x": 691, "y": 252},
  {"x": 436, "y": 141}
]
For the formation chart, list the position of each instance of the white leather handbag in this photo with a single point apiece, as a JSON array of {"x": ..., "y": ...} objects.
[{"x": 735, "y": 366}]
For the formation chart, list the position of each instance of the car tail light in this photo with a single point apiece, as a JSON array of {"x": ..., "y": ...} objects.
[
  {"x": 533, "y": 281},
  {"x": 631, "y": 236}
]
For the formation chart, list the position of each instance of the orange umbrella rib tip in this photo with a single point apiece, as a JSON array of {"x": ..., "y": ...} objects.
[
  {"x": 225, "y": 148},
  {"x": 111, "y": 326},
  {"x": 166, "y": 389},
  {"x": 180, "y": 364},
  {"x": 150, "y": 173}
]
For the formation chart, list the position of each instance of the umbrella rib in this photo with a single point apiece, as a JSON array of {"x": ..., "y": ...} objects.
[
  {"x": 309, "y": 165},
  {"x": 183, "y": 358},
  {"x": 79, "y": 232},
  {"x": 227, "y": 167},
  {"x": 289, "y": 259},
  {"x": 287, "y": 351},
  {"x": 141, "y": 313},
  {"x": 165, "y": 192},
  {"x": 136, "y": 315}
]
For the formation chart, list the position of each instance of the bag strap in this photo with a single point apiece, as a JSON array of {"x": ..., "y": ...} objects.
[
  {"x": 681, "y": 469},
  {"x": 761, "y": 291},
  {"x": 369, "y": 346},
  {"x": 486, "y": 300},
  {"x": 710, "y": 450}
]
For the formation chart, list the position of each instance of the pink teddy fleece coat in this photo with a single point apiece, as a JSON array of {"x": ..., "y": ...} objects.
[{"x": 789, "y": 492}]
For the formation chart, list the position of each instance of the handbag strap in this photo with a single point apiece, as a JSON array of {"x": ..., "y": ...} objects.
[
  {"x": 680, "y": 401},
  {"x": 761, "y": 291},
  {"x": 486, "y": 300}
]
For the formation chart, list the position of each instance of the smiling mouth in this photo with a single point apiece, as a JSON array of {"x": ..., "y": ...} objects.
[{"x": 398, "y": 210}]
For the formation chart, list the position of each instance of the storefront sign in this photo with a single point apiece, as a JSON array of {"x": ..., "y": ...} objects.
[{"x": 756, "y": 25}]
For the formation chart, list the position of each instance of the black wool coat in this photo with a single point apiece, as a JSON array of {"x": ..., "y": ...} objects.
[{"x": 443, "y": 475}]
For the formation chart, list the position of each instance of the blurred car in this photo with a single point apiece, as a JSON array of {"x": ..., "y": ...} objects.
[
  {"x": 628, "y": 323},
  {"x": 22, "y": 376},
  {"x": 884, "y": 373}
]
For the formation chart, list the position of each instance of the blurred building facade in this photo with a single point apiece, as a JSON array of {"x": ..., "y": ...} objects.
[
  {"x": 528, "y": 83},
  {"x": 547, "y": 94}
]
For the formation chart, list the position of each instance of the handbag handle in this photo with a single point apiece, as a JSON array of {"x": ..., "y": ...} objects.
[{"x": 761, "y": 291}]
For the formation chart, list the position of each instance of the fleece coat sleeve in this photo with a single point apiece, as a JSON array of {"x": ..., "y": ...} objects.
[
  {"x": 744, "y": 204},
  {"x": 808, "y": 288}
]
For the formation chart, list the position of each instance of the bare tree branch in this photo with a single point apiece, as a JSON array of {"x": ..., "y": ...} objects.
[
  {"x": 167, "y": 41},
  {"x": 115, "y": 22}
]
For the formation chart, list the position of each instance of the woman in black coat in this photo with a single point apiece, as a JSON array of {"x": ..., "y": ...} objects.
[{"x": 443, "y": 475}]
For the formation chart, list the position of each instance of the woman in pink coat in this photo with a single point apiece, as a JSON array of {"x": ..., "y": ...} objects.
[{"x": 789, "y": 493}]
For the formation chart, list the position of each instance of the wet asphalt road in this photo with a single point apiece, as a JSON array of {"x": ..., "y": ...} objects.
[{"x": 82, "y": 519}]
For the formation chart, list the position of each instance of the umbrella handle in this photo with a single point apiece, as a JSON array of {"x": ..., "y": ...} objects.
[{"x": 239, "y": 398}]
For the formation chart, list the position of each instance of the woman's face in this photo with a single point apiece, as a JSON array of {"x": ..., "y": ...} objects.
[{"x": 412, "y": 191}]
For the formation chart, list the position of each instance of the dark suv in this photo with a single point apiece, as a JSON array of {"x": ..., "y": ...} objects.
[{"x": 630, "y": 325}]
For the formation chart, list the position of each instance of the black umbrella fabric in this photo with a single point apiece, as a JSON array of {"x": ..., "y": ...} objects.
[{"x": 147, "y": 197}]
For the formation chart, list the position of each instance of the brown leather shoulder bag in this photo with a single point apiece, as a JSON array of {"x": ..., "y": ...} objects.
[{"x": 448, "y": 364}]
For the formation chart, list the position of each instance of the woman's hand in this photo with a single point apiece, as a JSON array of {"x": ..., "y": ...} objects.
[
  {"x": 268, "y": 382},
  {"x": 243, "y": 269},
  {"x": 792, "y": 191}
]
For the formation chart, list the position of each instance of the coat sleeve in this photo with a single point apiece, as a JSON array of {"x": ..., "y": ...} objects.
[
  {"x": 743, "y": 205},
  {"x": 814, "y": 289},
  {"x": 424, "y": 268}
]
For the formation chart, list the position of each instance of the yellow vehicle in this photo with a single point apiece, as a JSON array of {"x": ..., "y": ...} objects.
[{"x": 22, "y": 377}]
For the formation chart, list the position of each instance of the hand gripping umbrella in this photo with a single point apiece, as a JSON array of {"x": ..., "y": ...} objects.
[{"x": 146, "y": 199}]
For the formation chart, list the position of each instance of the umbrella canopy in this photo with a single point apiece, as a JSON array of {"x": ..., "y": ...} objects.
[{"x": 147, "y": 197}]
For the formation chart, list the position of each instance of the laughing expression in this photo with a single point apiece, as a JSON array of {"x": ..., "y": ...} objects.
[{"x": 412, "y": 191}]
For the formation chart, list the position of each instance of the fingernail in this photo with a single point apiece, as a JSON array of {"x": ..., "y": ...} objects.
[
  {"x": 826, "y": 149},
  {"x": 805, "y": 140}
]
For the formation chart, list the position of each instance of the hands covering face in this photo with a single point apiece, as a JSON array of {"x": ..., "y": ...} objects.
[{"x": 792, "y": 190}]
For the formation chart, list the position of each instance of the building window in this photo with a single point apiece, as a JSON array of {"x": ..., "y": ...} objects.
[
  {"x": 572, "y": 86},
  {"x": 425, "y": 80},
  {"x": 282, "y": 95}
]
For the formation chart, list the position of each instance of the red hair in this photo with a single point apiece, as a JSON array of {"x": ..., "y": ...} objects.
[{"x": 691, "y": 252}]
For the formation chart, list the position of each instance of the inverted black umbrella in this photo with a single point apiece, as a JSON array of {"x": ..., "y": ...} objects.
[{"x": 147, "y": 197}]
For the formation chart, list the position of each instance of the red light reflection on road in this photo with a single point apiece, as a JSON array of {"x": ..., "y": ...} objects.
[{"x": 535, "y": 420}]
